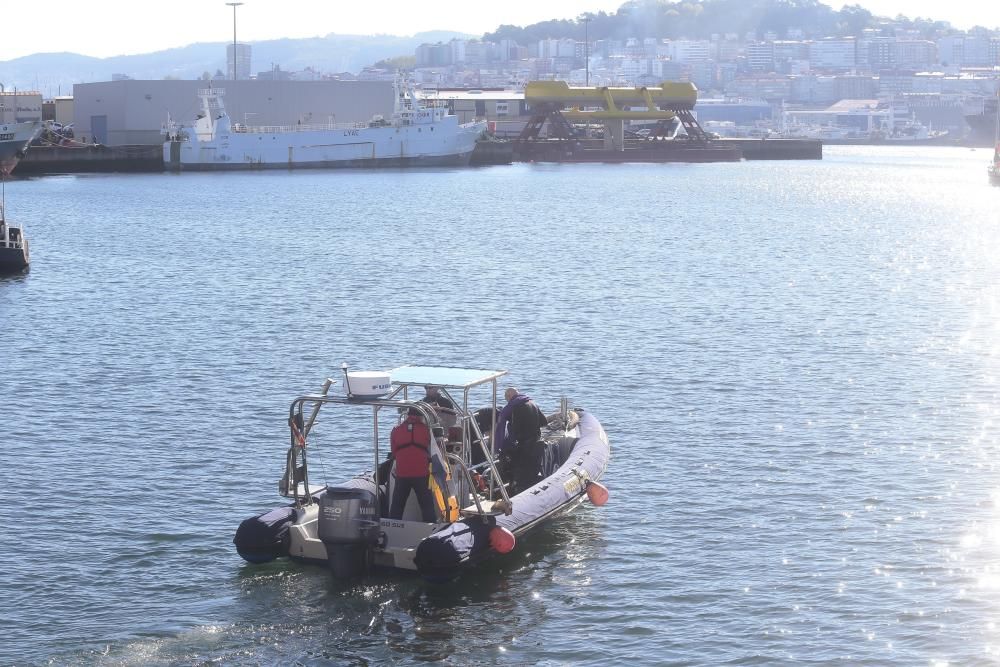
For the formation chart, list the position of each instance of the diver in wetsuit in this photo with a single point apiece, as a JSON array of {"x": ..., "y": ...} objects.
[{"x": 519, "y": 434}]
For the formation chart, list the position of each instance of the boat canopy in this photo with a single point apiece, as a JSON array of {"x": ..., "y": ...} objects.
[
  {"x": 443, "y": 376},
  {"x": 452, "y": 445}
]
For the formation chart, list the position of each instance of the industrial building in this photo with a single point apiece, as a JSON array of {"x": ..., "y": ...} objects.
[
  {"x": 131, "y": 112},
  {"x": 469, "y": 105}
]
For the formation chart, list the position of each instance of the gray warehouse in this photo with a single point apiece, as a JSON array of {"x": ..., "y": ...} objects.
[{"x": 117, "y": 113}]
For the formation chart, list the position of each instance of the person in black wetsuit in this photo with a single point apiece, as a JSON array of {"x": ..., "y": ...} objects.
[{"x": 519, "y": 432}]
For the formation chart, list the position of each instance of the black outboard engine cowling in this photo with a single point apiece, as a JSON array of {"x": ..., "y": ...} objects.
[
  {"x": 348, "y": 527},
  {"x": 263, "y": 538}
]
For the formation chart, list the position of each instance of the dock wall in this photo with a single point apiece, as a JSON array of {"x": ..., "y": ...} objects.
[
  {"x": 777, "y": 149},
  {"x": 88, "y": 159}
]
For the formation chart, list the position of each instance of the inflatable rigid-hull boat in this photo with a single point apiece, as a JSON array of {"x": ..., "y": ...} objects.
[{"x": 347, "y": 526}]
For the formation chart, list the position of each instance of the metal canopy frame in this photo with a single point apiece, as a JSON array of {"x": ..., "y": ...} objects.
[{"x": 402, "y": 379}]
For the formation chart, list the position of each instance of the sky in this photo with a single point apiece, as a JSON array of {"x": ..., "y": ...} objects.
[{"x": 103, "y": 28}]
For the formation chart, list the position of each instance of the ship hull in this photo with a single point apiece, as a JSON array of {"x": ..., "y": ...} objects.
[
  {"x": 14, "y": 140},
  {"x": 14, "y": 258},
  {"x": 429, "y": 145},
  {"x": 982, "y": 128},
  {"x": 457, "y": 160}
]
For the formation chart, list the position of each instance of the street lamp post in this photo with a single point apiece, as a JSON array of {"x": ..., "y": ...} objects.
[{"x": 234, "y": 5}]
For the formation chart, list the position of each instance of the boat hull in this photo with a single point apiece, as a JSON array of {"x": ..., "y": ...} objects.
[
  {"x": 456, "y": 160},
  {"x": 440, "y": 552},
  {"x": 14, "y": 260},
  {"x": 446, "y": 553},
  {"x": 982, "y": 127},
  {"x": 14, "y": 140},
  {"x": 439, "y": 144}
]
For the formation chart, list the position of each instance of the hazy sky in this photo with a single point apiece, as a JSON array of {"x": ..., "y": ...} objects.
[{"x": 104, "y": 28}]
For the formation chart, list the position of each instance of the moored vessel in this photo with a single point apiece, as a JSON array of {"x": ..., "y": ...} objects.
[
  {"x": 480, "y": 507},
  {"x": 14, "y": 256},
  {"x": 417, "y": 133},
  {"x": 981, "y": 117},
  {"x": 14, "y": 141}
]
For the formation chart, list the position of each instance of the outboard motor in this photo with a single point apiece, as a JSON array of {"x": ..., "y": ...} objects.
[{"x": 348, "y": 527}]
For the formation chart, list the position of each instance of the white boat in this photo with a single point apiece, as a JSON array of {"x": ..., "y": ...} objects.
[
  {"x": 479, "y": 511},
  {"x": 14, "y": 140},
  {"x": 416, "y": 134}
]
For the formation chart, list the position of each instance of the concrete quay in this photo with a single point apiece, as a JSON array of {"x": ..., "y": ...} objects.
[{"x": 40, "y": 160}]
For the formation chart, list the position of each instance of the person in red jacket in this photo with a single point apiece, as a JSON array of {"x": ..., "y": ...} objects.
[{"x": 411, "y": 441}]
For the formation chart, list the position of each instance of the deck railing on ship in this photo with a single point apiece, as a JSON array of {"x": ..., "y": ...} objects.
[{"x": 279, "y": 129}]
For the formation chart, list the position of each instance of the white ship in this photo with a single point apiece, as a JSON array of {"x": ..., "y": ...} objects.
[
  {"x": 416, "y": 134},
  {"x": 14, "y": 140}
]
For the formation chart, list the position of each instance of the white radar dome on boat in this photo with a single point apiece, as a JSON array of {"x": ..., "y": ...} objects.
[{"x": 367, "y": 384}]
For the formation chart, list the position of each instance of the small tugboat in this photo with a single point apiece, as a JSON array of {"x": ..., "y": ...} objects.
[
  {"x": 478, "y": 512},
  {"x": 13, "y": 245}
]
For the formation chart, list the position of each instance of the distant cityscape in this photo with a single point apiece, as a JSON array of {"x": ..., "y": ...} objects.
[
  {"x": 832, "y": 74},
  {"x": 942, "y": 73},
  {"x": 943, "y": 80},
  {"x": 794, "y": 69}
]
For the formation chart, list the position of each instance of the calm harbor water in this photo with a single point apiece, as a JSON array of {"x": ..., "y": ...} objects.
[{"x": 797, "y": 364}]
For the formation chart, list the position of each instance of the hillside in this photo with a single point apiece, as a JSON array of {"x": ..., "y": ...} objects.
[{"x": 55, "y": 73}]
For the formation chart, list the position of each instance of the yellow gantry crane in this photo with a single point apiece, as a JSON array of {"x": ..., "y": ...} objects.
[{"x": 561, "y": 105}]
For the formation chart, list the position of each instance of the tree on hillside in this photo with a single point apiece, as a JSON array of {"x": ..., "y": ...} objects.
[
  {"x": 700, "y": 19},
  {"x": 397, "y": 63},
  {"x": 853, "y": 19}
]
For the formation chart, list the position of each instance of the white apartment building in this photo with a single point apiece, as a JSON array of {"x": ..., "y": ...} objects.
[
  {"x": 977, "y": 51},
  {"x": 633, "y": 68},
  {"x": 788, "y": 50},
  {"x": 457, "y": 50},
  {"x": 238, "y": 62},
  {"x": 726, "y": 51},
  {"x": 951, "y": 50},
  {"x": 663, "y": 69},
  {"x": 477, "y": 52},
  {"x": 760, "y": 56},
  {"x": 969, "y": 51},
  {"x": 915, "y": 53},
  {"x": 833, "y": 54},
  {"x": 689, "y": 51},
  {"x": 556, "y": 48}
]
